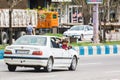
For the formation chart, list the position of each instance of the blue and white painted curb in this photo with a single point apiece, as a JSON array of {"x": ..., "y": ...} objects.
[
  {"x": 98, "y": 50},
  {"x": 1, "y": 54}
]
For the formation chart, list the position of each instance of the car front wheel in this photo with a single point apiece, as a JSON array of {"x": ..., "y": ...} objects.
[
  {"x": 11, "y": 68},
  {"x": 49, "y": 66},
  {"x": 73, "y": 64}
]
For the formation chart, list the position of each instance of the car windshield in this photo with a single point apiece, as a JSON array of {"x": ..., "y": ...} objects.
[
  {"x": 31, "y": 40},
  {"x": 76, "y": 28}
]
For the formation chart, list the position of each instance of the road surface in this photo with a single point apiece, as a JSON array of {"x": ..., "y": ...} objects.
[{"x": 89, "y": 68}]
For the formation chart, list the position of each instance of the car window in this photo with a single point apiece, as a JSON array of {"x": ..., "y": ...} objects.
[
  {"x": 54, "y": 43},
  {"x": 86, "y": 28},
  {"x": 90, "y": 28},
  {"x": 31, "y": 40},
  {"x": 77, "y": 28},
  {"x": 81, "y": 27}
]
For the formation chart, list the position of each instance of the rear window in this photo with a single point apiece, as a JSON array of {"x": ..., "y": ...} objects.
[{"x": 31, "y": 40}]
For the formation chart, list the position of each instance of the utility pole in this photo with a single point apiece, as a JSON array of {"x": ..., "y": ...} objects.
[
  {"x": 11, "y": 4},
  {"x": 95, "y": 24},
  {"x": 10, "y": 26},
  {"x": 95, "y": 18},
  {"x": 108, "y": 14}
]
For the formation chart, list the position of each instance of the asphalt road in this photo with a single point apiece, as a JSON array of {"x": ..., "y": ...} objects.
[{"x": 89, "y": 68}]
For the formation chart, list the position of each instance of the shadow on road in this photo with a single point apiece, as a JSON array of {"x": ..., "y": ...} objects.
[{"x": 40, "y": 71}]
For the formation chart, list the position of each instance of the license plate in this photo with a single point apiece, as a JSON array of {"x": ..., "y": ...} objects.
[{"x": 22, "y": 51}]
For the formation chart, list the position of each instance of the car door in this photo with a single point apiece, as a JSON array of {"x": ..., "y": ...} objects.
[
  {"x": 66, "y": 57},
  {"x": 57, "y": 52}
]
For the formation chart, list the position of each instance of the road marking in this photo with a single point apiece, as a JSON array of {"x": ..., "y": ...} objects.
[
  {"x": 112, "y": 71},
  {"x": 90, "y": 63},
  {"x": 115, "y": 79}
]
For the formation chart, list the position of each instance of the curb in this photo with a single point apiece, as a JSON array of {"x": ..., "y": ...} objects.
[
  {"x": 1, "y": 54},
  {"x": 99, "y": 50}
]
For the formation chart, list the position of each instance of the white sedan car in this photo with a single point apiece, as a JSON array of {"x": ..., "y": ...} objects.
[
  {"x": 80, "y": 31},
  {"x": 39, "y": 51}
]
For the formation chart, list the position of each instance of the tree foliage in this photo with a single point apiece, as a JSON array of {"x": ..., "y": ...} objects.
[{"x": 13, "y": 3}]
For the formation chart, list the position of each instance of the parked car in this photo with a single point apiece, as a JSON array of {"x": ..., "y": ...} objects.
[
  {"x": 80, "y": 31},
  {"x": 39, "y": 51}
]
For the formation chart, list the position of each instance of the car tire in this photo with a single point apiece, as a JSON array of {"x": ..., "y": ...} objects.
[
  {"x": 73, "y": 64},
  {"x": 49, "y": 66},
  {"x": 81, "y": 37},
  {"x": 4, "y": 38},
  {"x": 11, "y": 68}
]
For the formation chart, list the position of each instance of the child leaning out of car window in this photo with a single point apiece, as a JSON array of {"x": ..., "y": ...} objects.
[{"x": 65, "y": 44}]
